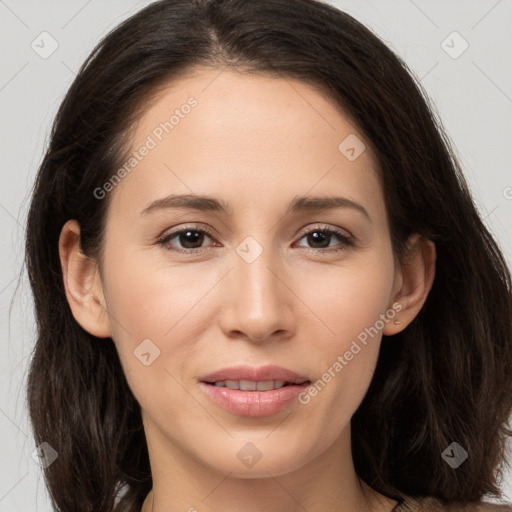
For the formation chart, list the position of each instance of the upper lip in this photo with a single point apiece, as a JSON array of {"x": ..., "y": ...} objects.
[{"x": 262, "y": 373}]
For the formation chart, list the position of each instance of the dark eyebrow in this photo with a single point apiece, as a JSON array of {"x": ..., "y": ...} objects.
[
  {"x": 211, "y": 204},
  {"x": 191, "y": 201},
  {"x": 310, "y": 203}
]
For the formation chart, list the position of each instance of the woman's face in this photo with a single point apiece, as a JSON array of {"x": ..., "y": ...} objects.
[{"x": 252, "y": 280}]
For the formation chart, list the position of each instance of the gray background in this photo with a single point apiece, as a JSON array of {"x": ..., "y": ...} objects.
[{"x": 472, "y": 93}]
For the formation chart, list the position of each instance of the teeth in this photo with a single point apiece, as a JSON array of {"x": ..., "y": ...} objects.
[
  {"x": 266, "y": 385},
  {"x": 246, "y": 385},
  {"x": 249, "y": 385}
]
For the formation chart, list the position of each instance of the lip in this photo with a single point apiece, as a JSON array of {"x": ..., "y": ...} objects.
[
  {"x": 254, "y": 404},
  {"x": 262, "y": 373}
]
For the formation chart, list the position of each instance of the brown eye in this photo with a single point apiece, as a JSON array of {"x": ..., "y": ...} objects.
[
  {"x": 320, "y": 238},
  {"x": 187, "y": 240}
]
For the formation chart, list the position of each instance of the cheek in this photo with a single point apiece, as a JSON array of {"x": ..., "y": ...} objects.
[
  {"x": 154, "y": 339},
  {"x": 142, "y": 308},
  {"x": 351, "y": 305},
  {"x": 157, "y": 317},
  {"x": 148, "y": 301},
  {"x": 350, "y": 301}
]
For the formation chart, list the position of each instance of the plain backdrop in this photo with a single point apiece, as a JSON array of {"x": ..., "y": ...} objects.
[{"x": 460, "y": 50}]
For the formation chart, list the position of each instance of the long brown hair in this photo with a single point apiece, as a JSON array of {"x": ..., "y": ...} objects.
[{"x": 446, "y": 377}]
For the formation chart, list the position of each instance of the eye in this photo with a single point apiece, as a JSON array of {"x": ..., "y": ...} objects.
[
  {"x": 321, "y": 238},
  {"x": 190, "y": 238}
]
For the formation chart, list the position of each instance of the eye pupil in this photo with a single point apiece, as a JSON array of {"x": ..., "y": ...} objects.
[
  {"x": 191, "y": 237},
  {"x": 318, "y": 237}
]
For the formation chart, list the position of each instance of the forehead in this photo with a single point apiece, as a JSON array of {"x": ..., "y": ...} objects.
[{"x": 244, "y": 135}]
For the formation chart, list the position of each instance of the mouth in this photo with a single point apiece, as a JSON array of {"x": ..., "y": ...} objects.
[
  {"x": 251, "y": 385},
  {"x": 245, "y": 377},
  {"x": 254, "y": 392}
]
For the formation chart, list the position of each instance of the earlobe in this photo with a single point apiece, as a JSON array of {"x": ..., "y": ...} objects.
[
  {"x": 82, "y": 284},
  {"x": 416, "y": 278}
]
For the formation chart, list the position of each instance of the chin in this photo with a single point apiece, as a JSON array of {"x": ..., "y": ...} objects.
[{"x": 279, "y": 464}]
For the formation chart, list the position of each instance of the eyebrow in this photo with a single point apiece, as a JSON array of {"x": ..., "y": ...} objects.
[{"x": 211, "y": 204}]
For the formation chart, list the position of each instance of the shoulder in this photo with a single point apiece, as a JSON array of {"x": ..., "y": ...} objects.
[{"x": 430, "y": 504}]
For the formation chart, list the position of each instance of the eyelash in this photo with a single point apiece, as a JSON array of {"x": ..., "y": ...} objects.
[{"x": 346, "y": 240}]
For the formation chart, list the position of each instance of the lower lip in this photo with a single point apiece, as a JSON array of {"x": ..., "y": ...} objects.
[{"x": 253, "y": 404}]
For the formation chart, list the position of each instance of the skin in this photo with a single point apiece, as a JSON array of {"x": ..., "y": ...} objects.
[{"x": 255, "y": 142}]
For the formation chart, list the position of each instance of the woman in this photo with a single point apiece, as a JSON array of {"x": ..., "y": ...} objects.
[{"x": 259, "y": 277}]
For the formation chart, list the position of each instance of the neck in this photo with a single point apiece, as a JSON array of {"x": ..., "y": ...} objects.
[{"x": 370, "y": 501}]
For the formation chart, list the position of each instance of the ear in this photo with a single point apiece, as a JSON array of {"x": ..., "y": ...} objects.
[
  {"x": 414, "y": 281},
  {"x": 82, "y": 283}
]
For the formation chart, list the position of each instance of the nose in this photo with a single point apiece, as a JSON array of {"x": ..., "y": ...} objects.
[{"x": 258, "y": 304}]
